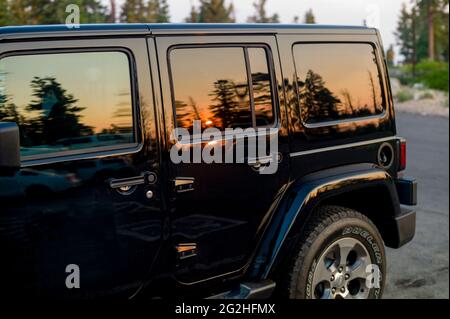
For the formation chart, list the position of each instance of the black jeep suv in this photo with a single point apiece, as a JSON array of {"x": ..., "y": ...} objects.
[{"x": 100, "y": 195}]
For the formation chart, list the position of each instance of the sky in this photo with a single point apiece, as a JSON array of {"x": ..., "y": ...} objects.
[{"x": 382, "y": 14}]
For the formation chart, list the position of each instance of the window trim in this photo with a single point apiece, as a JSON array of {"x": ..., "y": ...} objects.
[
  {"x": 91, "y": 152},
  {"x": 385, "y": 104},
  {"x": 244, "y": 47}
]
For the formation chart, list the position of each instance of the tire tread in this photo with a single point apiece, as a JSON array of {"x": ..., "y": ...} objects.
[{"x": 323, "y": 217}]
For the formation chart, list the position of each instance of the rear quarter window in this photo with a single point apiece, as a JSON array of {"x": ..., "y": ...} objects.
[{"x": 337, "y": 81}]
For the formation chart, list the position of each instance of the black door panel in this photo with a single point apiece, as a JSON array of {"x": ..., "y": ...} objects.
[
  {"x": 59, "y": 209},
  {"x": 225, "y": 211}
]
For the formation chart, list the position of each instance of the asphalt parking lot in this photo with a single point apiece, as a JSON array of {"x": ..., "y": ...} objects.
[{"x": 420, "y": 269}]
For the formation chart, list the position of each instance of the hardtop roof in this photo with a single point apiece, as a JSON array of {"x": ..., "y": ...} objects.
[{"x": 142, "y": 28}]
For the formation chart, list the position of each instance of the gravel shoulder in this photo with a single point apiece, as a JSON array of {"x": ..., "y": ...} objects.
[
  {"x": 423, "y": 101},
  {"x": 426, "y": 107}
]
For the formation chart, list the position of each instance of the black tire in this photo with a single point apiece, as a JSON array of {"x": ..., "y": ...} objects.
[{"x": 331, "y": 224}]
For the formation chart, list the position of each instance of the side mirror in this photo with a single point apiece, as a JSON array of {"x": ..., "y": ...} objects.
[{"x": 9, "y": 146}]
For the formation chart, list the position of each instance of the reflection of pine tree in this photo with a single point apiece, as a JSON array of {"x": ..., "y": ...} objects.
[
  {"x": 374, "y": 93},
  {"x": 375, "y": 85},
  {"x": 229, "y": 108},
  {"x": 3, "y": 111},
  {"x": 123, "y": 116},
  {"x": 261, "y": 88},
  {"x": 262, "y": 93},
  {"x": 59, "y": 115},
  {"x": 318, "y": 101},
  {"x": 187, "y": 113},
  {"x": 183, "y": 115},
  {"x": 376, "y": 89},
  {"x": 8, "y": 111},
  {"x": 194, "y": 107},
  {"x": 293, "y": 103},
  {"x": 349, "y": 109}
]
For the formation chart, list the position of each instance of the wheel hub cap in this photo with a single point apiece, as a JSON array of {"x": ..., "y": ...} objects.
[
  {"x": 339, "y": 281},
  {"x": 341, "y": 271}
]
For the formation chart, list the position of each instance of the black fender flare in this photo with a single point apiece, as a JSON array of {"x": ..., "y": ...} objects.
[{"x": 300, "y": 199}]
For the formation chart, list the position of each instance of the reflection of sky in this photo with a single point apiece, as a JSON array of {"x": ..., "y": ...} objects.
[
  {"x": 100, "y": 82},
  {"x": 195, "y": 71},
  {"x": 341, "y": 67},
  {"x": 2, "y": 81},
  {"x": 258, "y": 65}
]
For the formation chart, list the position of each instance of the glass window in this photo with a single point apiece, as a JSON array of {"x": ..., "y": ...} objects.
[
  {"x": 67, "y": 101},
  {"x": 211, "y": 85},
  {"x": 337, "y": 81},
  {"x": 262, "y": 87}
]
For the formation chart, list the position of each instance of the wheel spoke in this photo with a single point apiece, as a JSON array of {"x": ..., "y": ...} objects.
[
  {"x": 358, "y": 270},
  {"x": 322, "y": 273},
  {"x": 345, "y": 247}
]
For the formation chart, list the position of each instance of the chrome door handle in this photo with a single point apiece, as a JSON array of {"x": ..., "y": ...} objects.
[
  {"x": 259, "y": 161},
  {"x": 126, "y": 182},
  {"x": 145, "y": 178}
]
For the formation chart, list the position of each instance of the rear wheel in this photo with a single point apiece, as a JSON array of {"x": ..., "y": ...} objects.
[{"x": 341, "y": 256}]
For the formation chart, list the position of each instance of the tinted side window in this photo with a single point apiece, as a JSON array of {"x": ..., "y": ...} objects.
[
  {"x": 68, "y": 101},
  {"x": 211, "y": 85},
  {"x": 262, "y": 87},
  {"x": 337, "y": 81}
]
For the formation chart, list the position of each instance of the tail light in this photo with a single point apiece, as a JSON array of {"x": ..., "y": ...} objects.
[{"x": 402, "y": 159}]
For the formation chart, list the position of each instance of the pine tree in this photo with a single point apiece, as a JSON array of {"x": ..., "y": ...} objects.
[
  {"x": 433, "y": 29},
  {"x": 18, "y": 13},
  {"x": 442, "y": 35},
  {"x": 309, "y": 17},
  {"x": 4, "y": 13},
  {"x": 163, "y": 12},
  {"x": 140, "y": 11},
  {"x": 212, "y": 11},
  {"x": 427, "y": 11},
  {"x": 261, "y": 14},
  {"x": 112, "y": 12},
  {"x": 193, "y": 15},
  {"x": 133, "y": 11},
  {"x": 32, "y": 12},
  {"x": 405, "y": 34},
  {"x": 157, "y": 11},
  {"x": 92, "y": 11}
]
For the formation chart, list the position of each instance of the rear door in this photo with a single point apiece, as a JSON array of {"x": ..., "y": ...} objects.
[
  {"x": 86, "y": 197},
  {"x": 221, "y": 207}
]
